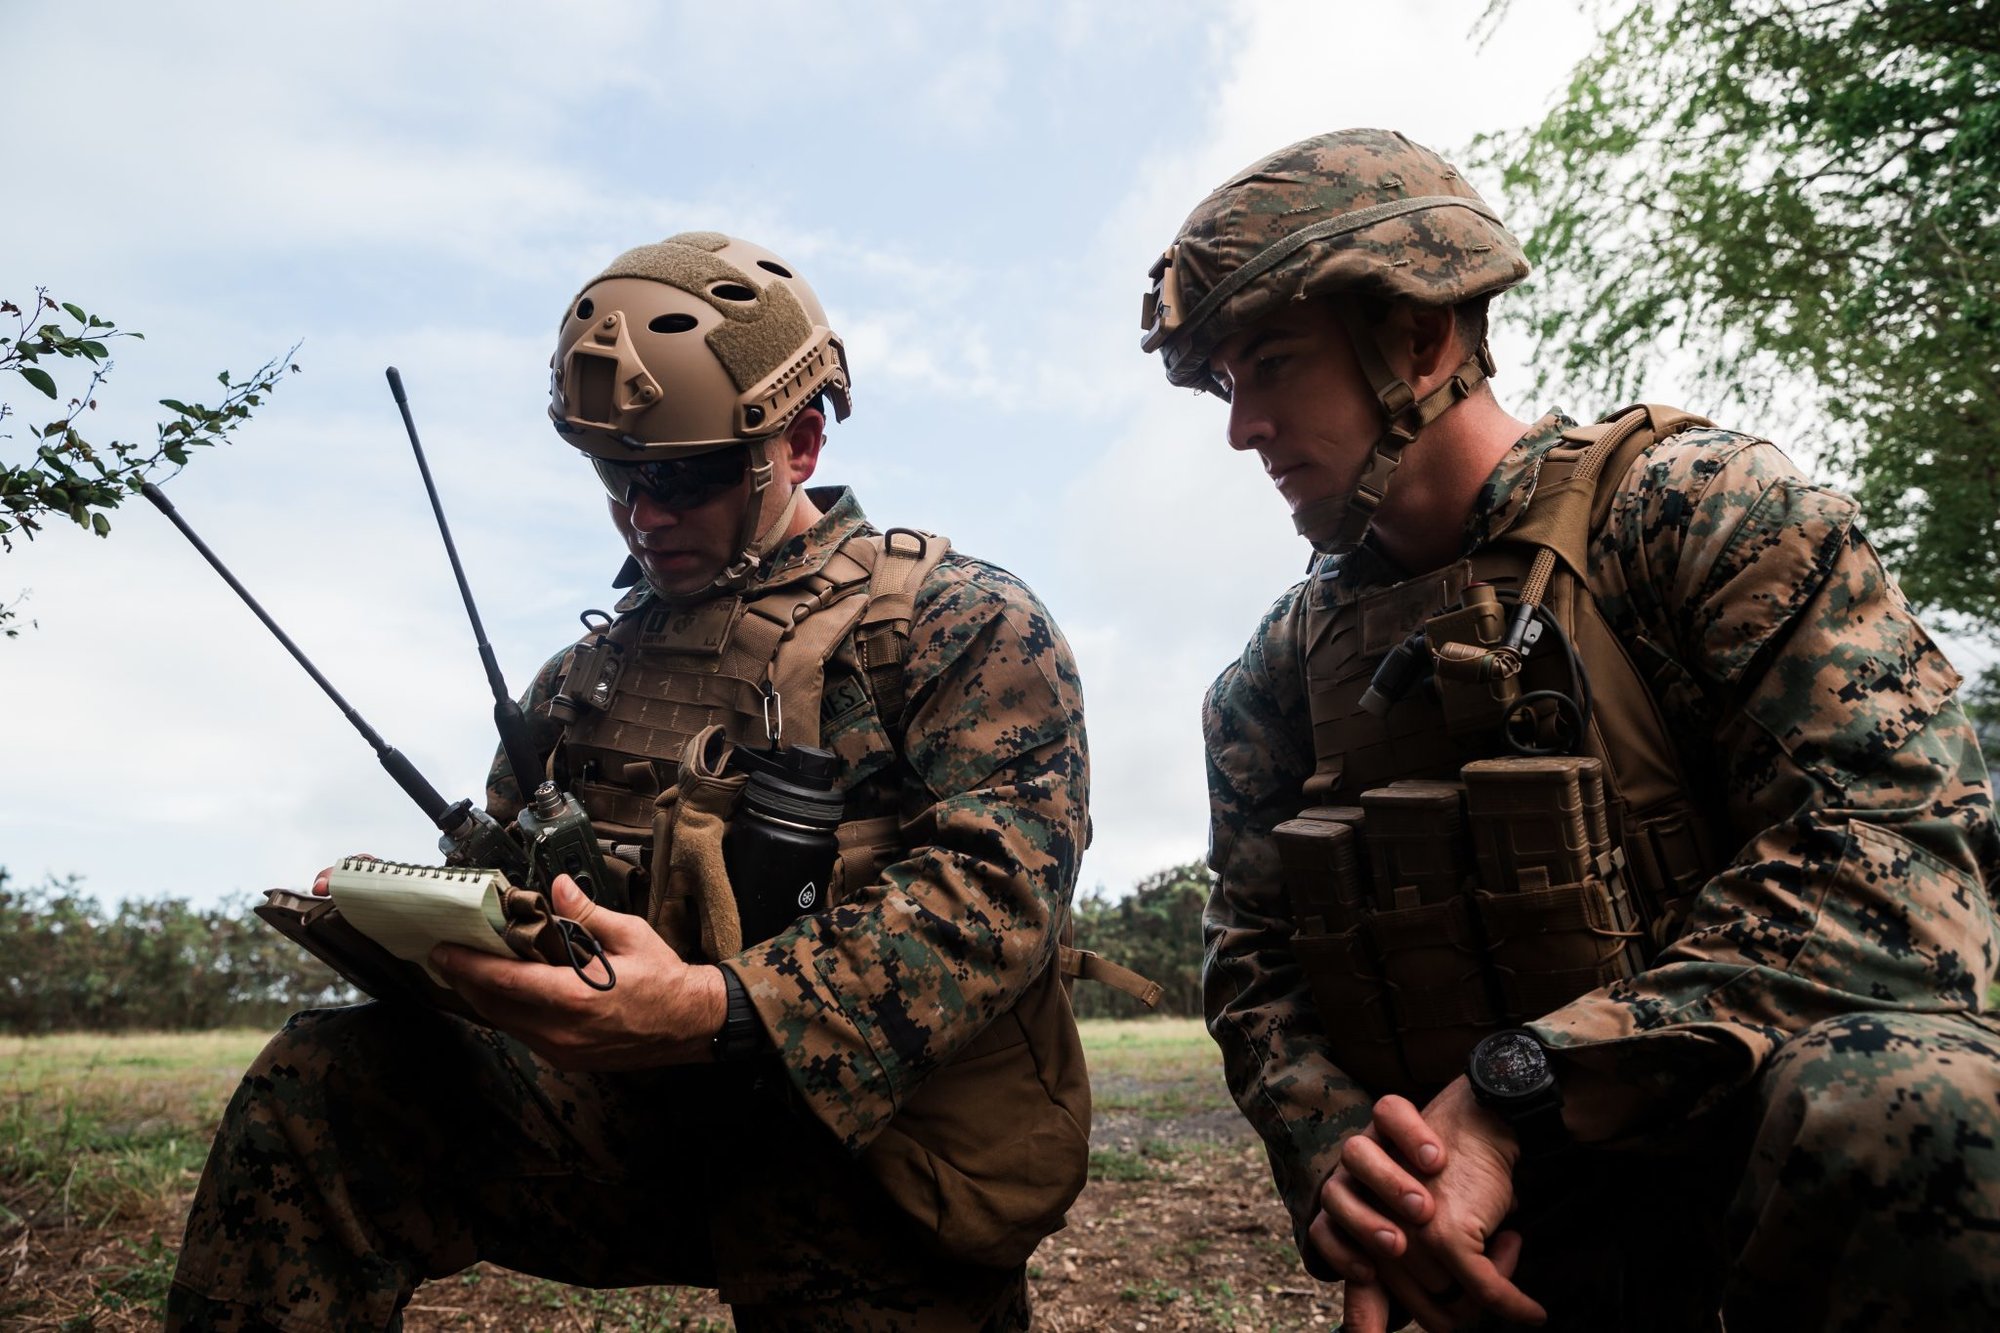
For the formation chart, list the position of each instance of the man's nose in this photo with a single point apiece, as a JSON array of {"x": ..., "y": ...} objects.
[
  {"x": 649, "y": 514},
  {"x": 1250, "y": 427}
]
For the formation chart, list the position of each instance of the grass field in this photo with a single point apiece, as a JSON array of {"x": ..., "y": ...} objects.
[{"x": 103, "y": 1137}]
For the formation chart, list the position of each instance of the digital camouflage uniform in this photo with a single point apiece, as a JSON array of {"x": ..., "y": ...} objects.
[
  {"x": 370, "y": 1148},
  {"x": 1819, "y": 1132}
]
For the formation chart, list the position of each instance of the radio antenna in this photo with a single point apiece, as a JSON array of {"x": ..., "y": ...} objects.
[
  {"x": 507, "y": 716},
  {"x": 443, "y": 813}
]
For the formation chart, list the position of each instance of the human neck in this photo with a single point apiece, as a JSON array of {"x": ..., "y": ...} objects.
[
  {"x": 804, "y": 514},
  {"x": 1421, "y": 524}
]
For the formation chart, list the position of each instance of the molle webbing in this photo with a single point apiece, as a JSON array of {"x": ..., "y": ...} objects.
[
  {"x": 882, "y": 641},
  {"x": 743, "y": 663},
  {"x": 1359, "y": 956}
]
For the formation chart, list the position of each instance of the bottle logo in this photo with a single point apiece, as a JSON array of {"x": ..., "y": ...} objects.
[{"x": 808, "y": 896}]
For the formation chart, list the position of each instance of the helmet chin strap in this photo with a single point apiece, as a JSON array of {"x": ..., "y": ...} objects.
[
  {"x": 1336, "y": 524},
  {"x": 753, "y": 547}
]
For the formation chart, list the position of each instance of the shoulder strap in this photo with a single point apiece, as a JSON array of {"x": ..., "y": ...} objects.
[
  {"x": 1577, "y": 487},
  {"x": 904, "y": 559}
]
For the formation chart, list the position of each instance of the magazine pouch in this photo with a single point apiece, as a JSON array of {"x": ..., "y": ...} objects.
[{"x": 1554, "y": 902}]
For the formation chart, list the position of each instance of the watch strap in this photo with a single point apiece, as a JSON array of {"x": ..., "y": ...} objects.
[
  {"x": 741, "y": 1035},
  {"x": 1539, "y": 1128}
]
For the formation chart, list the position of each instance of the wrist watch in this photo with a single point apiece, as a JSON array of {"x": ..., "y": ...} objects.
[
  {"x": 741, "y": 1035},
  {"x": 1510, "y": 1076}
]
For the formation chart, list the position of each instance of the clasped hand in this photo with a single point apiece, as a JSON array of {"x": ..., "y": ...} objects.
[
  {"x": 662, "y": 1011},
  {"x": 1413, "y": 1212}
]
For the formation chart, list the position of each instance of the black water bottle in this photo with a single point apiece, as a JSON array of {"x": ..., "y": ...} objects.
[{"x": 780, "y": 847}]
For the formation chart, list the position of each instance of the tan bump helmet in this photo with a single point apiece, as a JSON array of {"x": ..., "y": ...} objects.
[{"x": 697, "y": 343}]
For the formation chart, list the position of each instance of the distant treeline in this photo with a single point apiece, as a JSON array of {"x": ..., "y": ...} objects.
[
  {"x": 1156, "y": 931},
  {"x": 70, "y": 963}
]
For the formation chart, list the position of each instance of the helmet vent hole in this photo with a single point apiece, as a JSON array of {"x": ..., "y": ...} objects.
[
  {"x": 770, "y": 267},
  {"x": 732, "y": 291},
  {"x": 675, "y": 323},
  {"x": 585, "y": 308}
]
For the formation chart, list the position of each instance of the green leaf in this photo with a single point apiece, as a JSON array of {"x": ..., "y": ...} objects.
[
  {"x": 175, "y": 454},
  {"x": 222, "y": 378},
  {"x": 40, "y": 379},
  {"x": 95, "y": 350},
  {"x": 100, "y": 525},
  {"x": 174, "y": 405},
  {"x": 75, "y": 312}
]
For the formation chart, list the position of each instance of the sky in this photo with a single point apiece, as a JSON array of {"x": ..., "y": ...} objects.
[{"x": 976, "y": 193}]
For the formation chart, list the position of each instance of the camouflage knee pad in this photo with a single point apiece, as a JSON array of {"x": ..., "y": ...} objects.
[{"x": 1871, "y": 1199}]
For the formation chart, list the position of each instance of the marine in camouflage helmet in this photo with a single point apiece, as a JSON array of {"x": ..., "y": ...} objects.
[
  {"x": 1789, "y": 1114},
  {"x": 1354, "y": 216},
  {"x": 864, "y": 1121}
]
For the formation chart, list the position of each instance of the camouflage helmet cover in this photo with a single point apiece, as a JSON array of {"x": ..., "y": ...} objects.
[
  {"x": 1364, "y": 211},
  {"x": 690, "y": 345}
]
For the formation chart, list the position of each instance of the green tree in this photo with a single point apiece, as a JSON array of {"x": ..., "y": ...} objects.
[
  {"x": 67, "y": 474},
  {"x": 1156, "y": 931},
  {"x": 157, "y": 963},
  {"x": 1801, "y": 200}
]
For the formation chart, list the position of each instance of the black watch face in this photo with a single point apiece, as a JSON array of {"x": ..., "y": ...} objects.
[{"x": 1512, "y": 1064}]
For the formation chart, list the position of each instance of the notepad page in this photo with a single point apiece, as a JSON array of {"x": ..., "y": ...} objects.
[{"x": 409, "y": 910}]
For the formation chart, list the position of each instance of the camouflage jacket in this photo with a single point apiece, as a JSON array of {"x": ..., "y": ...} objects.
[
  {"x": 990, "y": 780},
  {"x": 1798, "y": 686}
]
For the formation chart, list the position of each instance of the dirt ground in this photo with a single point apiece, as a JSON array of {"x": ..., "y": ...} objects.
[
  {"x": 1178, "y": 1229},
  {"x": 1203, "y": 1248}
]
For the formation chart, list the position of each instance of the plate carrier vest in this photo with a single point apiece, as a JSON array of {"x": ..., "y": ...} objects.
[
  {"x": 643, "y": 693},
  {"x": 1438, "y": 899}
]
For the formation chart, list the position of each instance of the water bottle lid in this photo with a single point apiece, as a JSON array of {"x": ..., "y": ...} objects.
[{"x": 794, "y": 784}]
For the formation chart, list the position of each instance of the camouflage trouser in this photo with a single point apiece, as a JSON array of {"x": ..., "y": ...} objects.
[
  {"x": 371, "y": 1148},
  {"x": 1857, "y": 1189}
]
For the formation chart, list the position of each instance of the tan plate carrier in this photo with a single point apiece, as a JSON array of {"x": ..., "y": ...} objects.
[
  {"x": 957, "y": 1156},
  {"x": 1438, "y": 899}
]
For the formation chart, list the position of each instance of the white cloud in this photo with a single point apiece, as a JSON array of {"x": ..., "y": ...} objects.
[{"x": 976, "y": 195}]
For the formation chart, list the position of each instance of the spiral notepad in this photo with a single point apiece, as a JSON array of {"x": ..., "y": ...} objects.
[{"x": 409, "y": 909}]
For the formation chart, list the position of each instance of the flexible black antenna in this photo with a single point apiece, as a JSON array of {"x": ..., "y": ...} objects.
[
  {"x": 445, "y": 814},
  {"x": 507, "y": 717}
]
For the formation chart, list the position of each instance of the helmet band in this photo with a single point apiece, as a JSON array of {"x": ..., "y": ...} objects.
[{"x": 1168, "y": 322}]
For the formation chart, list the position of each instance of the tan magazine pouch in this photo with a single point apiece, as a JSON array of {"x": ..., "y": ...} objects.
[
  {"x": 1557, "y": 913},
  {"x": 991, "y": 1151}
]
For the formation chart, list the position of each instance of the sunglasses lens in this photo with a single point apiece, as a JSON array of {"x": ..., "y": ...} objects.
[{"x": 676, "y": 485}]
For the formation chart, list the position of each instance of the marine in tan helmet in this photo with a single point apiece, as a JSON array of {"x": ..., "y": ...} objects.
[
  {"x": 1604, "y": 905},
  {"x": 684, "y": 369},
  {"x": 842, "y": 775}
]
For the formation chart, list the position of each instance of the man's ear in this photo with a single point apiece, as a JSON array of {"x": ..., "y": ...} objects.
[
  {"x": 1427, "y": 338},
  {"x": 804, "y": 438}
]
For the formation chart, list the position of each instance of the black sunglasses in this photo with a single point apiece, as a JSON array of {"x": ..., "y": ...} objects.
[{"x": 677, "y": 484}]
